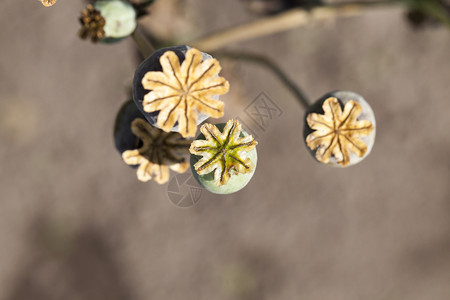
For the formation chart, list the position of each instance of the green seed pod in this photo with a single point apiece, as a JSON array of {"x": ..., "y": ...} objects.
[
  {"x": 340, "y": 129},
  {"x": 223, "y": 157},
  {"x": 120, "y": 19}
]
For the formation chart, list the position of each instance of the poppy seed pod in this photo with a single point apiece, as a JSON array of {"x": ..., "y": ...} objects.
[
  {"x": 340, "y": 129},
  {"x": 120, "y": 19},
  {"x": 223, "y": 157},
  {"x": 48, "y": 3},
  {"x": 124, "y": 139},
  {"x": 149, "y": 149},
  {"x": 177, "y": 88}
]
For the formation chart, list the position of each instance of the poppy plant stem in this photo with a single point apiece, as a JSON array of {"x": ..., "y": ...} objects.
[
  {"x": 144, "y": 45},
  {"x": 292, "y": 18},
  {"x": 272, "y": 66}
]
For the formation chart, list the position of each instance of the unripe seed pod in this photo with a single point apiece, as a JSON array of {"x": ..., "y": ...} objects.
[
  {"x": 225, "y": 160},
  {"x": 120, "y": 19}
]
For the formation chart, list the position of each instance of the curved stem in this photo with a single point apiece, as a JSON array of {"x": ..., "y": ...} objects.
[
  {"x": 260, "y": 59},
  {"x": 284, "y": 21},
  {"x": 144, "y": 45},
  {"x": 435, "y": 9}
]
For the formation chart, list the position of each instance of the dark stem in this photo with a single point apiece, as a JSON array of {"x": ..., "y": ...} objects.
[
  {"x": 144, "y": 45},
  {"x": 260, "y": 59},
  {"x": 436, "y": 9}
]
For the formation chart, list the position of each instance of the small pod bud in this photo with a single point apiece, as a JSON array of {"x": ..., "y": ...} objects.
[
  {"x": 340, "y": 129},
  {"x": 120, "y": 19},
  {"x": 107, "y": 21},
  {"x": 223, "y": 157},
  {"x": 48, "y": 3}
]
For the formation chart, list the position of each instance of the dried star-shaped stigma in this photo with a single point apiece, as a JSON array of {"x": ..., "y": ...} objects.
[
  {"x": 223, "y": 152},
  {"x": 159, "y": 152},
  {"x": 336, "y": 132},
  {"x": 92, "y": 23},
  {"x": 48, "y": 3},
  {"x": 181, "y": 92}
]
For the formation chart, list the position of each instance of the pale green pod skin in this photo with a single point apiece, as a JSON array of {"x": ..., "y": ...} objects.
[
  {"x": 120, "y": 18},
  {"x": 235, "y": 183}
]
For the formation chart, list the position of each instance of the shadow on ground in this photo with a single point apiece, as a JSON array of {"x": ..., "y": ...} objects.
[{"x": 69, "y": 265}]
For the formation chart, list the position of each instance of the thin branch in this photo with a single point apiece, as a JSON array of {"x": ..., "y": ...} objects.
[
  {"x": 266, "y": 62},
  {"x": 284, "y": 21},
  {"x": 436, "y": 10},
  {"x": 144, "y": 45}
]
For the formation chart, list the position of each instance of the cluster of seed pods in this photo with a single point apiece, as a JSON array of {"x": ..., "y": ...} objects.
[
  {"x": 175, "y": 92},
  {"x": 177, "y": 89}
]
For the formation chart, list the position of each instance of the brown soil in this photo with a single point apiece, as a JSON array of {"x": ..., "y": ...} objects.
[{"x": 76, "y": 224}]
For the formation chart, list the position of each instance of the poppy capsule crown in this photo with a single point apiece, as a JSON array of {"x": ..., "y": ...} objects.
[
  {"x": 177, "y": 88},
  {"x": 340, "y": 129}
]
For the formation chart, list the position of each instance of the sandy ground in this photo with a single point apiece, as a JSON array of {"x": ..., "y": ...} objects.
[{"x": 76, "y": 224}]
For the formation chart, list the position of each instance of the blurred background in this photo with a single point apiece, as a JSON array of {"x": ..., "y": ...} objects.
[{"x": 75, "y": 223}]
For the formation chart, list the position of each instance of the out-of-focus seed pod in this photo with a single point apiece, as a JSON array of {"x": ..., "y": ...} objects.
[
  {"x": 120, "y": 19},
  {"x": 48, "y": 3},
  {"x": 149, "y": 149},
  {"x": 124, "y": 139}
]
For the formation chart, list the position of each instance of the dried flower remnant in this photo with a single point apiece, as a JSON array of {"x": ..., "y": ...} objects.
[
  {"x": 181, "y": 92},
  {"x": 224, "y": 152},
  {"x": 48, "y": 3},
  {"x": 92, "y": 24},
  {"x": 337, "y": 132},
  {"x": 159, "y": 152}
]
